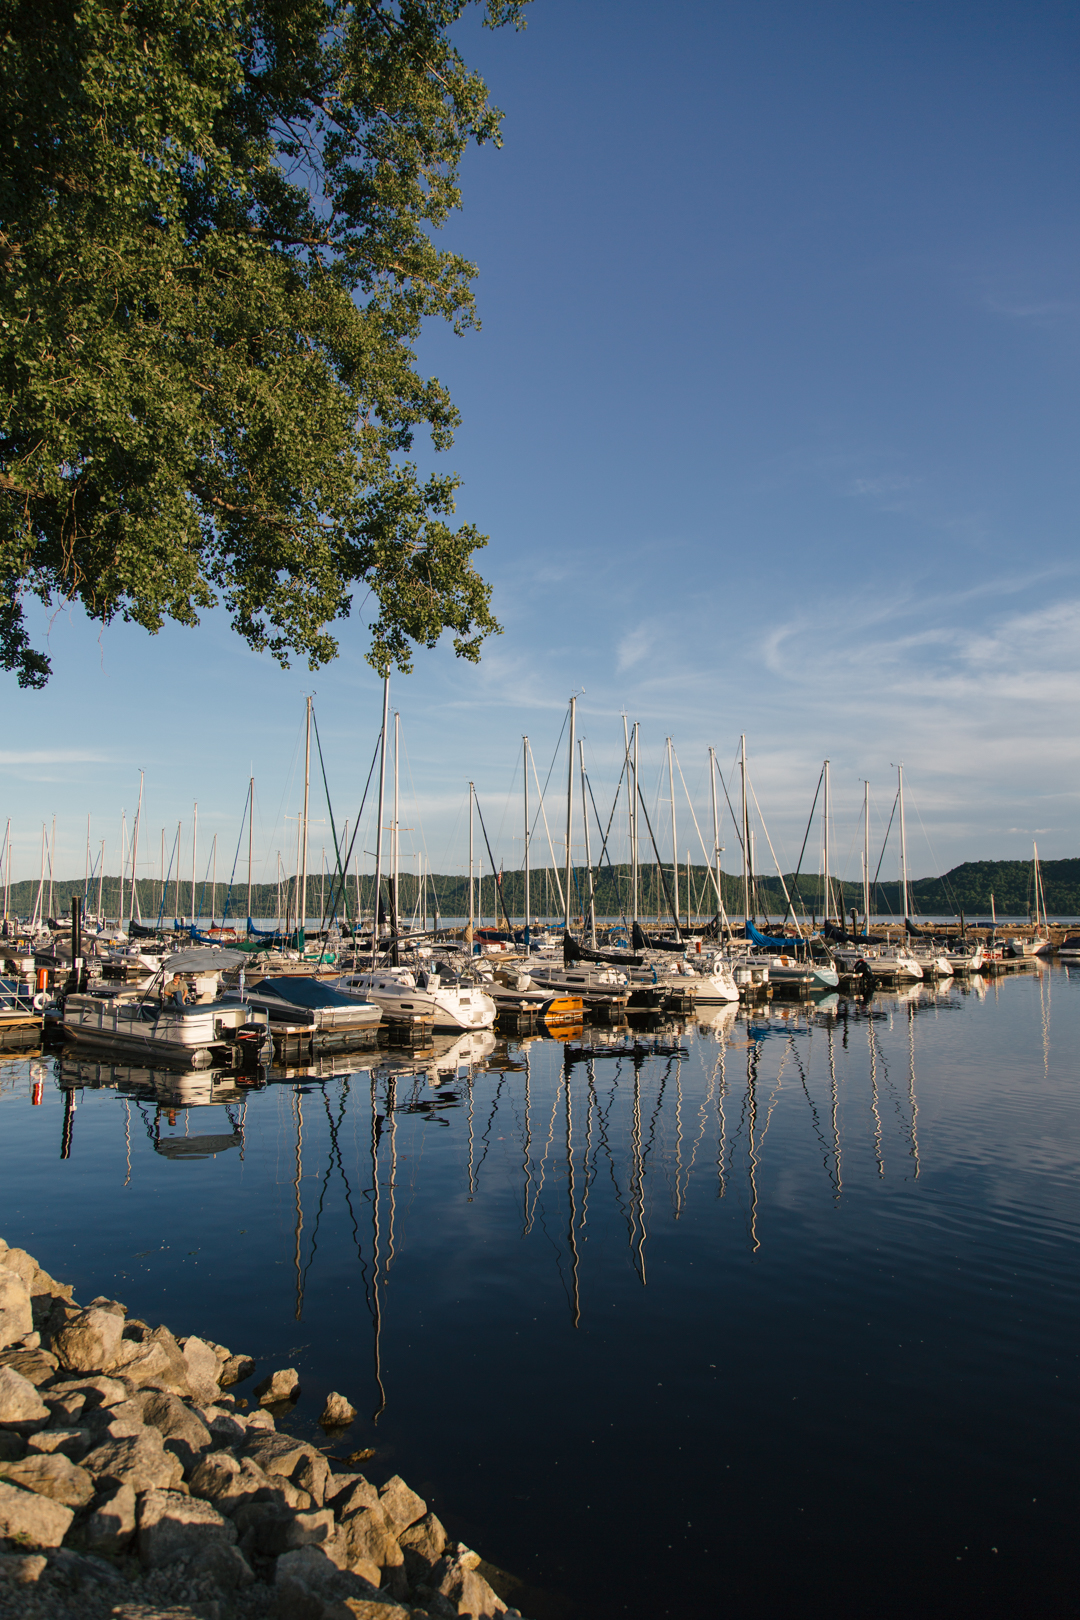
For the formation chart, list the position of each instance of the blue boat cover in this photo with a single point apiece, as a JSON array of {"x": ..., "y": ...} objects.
[
  {"x": 303, "y": 992},
  {"x": 768, "y": 941}
]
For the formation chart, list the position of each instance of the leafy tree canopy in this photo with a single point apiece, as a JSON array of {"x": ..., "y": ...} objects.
[{"x": 215, "y": 259}]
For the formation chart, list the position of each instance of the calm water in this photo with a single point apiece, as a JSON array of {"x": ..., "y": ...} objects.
[{"x": 784, "y": 1325}]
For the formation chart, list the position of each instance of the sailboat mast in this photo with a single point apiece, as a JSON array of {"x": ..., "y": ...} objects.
[
  {"x": 194, "y": 848},
  {"x": 379, "y": 830},
  {"x": 903, "y": 841},
  {"x": 52, "y": 867},
  {"x": 866, "y": 855},
  {"x": 176, "y": 895},
  {"x": 525, "y": 780},
  {"x": 745, "y": 833},
  {"x": 123, "y": 859},
  {"x": 213, "y": 883},
  {"x": 304, "y": 841},
  {"x": 825, "y": 820},
  {"x": 715, "y": 828},
  {"x": 394, "y": 841},
  {"x": 569, "y": 815},
  {"x": 588, "y": 849},
  {"x": 86, "y": 872},
  {"x": 674, "y": 836},
  {"x": 634, "y": 830},
  {"x": 101, "y": 877},
  {"x": 251, "y": 819},
  {"x": 7, "y": 862},
  {"x": 472, "y": 910}
]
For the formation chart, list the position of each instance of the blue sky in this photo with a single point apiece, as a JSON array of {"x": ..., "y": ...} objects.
[{"x": 772, "y": 421}]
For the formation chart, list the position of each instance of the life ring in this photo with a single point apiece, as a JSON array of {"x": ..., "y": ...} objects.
[{"x": 40, "y": 1000}]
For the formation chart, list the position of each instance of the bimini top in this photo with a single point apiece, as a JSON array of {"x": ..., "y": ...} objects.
[{"x": 203, "y": 959}]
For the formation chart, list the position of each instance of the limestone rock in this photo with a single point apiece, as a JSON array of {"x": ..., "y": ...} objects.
[
  {"x": 184, "y": 1433},
  {"x": 217, "y": 1479},
  {"x": 144, "y": 1362},
  {"x": 268, "y": 1529},
  {"x": 226, "y": 1566},
  {"x": 173, "y": 1526},
  {"x": 140, "y": 1460},
  {"x": 467, "y": 1589},
  {"x": 338, "y": 1413},
  {"x": 235, "y": 1370},
  {"x": 367, "y": 1539},
  {"x": 37, "y": 1366},
  {"x": 259, "y": 1420},
  {"x": 357, "y": 1494},
  {"x": 312, "y": 1476},
  {"x": 203, "y": 1370},
  {"x": 279, "y": 1453},
  {"x": 111, "y": 1525},
  {"x": 70, "y": 1443},
  {"x": 307, "y": 1584},
  {"x": 423, "y": 1544},
  {"x": 21, "y": 1569},
  {"x": 401, "y": 1505},
  {"x": 90, "y": 1340},
  {"x": 12, "y": 1445},
  {"x": 16, "y": 1316},
  {"x": 21, "y": 1407},
  {"x": 22, "y": 1264},
  {"x": 366, "y": 1609},
  {"x": 176, "y": 1377},
  {"x": 224, "y": 1426},
  {"x": 86, "y": 1394},
  {"x": 52, "y": 1476},
  {"x": 283, "y": 1385},
  {"x": 33, "y": 1520}
]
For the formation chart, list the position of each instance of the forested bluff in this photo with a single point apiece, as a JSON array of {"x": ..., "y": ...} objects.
[{"x": 967, "y": 887}]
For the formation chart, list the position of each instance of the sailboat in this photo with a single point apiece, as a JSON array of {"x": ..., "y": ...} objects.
[{"x": 1039, "y": 943}]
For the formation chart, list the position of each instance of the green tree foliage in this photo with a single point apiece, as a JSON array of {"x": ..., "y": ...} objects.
[{"x": 215, "y": 259}]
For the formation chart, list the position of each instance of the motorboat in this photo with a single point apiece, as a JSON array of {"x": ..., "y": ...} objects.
[
  {"x": 890, "y": 965},
  {"x": 202, "y": 1033},
  {"x": 1069, "y": 950},
  {"x": 513, "y": 990},
  {"x": 407, "y": 995},
  {"x": 962, "y": 962},
  {"x": 317, "y": 1003},
  {"x": 598, "y": 986}
]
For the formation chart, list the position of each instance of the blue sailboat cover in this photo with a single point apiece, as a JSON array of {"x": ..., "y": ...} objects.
[
  {"x": 303, "y": 992},
  {"x": 767, "y": 940}
]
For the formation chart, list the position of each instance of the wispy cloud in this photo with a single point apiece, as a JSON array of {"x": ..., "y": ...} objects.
[
  {"x": 634, "y": 647},
  {"x": 53, "y": 756}
]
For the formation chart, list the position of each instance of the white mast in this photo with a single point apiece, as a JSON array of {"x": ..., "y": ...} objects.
[
  {"x": 825, "y": 819},
  {"x": 194, "y": 852},
  {"x": 866, "y": 856},
  {"x": 382, "y": 802},
  {"x": 52, "y": 867},
  {"x": 100, "y": 879},
  {"x": 674, "y": 841},
  {"x": 525, "y": 779},
  {"x": 136, "y": 910},
  {"x": 394, "y": 842},
  {"x": 569, "y": 814},
  {"x": 745, "y": 834},
  {"x": 472, "y": 912},
  {"x": 903, "y": 843},
  {"x": 588, "y": 850},
  {"x": 7, "y": 863},
  {"x": 123, "y": 858},
  {"x": 304, "y": 844},
  {"x": 251, "y": 817},
  {"x": 715, "y": 830},
  {"x": 213, "y": 884}
]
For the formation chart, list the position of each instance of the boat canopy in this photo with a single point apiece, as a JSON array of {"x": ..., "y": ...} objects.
[
  {"x": 302, "y": 992},
  {"x": 656, "y": 942},
  {"x": 768, "y": 941},
  {"x": 203, "y": 959},
  {"x": 575, "y": 952}
]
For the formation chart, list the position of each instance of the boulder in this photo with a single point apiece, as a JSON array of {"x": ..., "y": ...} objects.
[
  {"x": 269, "y": 1529},
  {"x": 111, "y": 1525},
  {"x": 21, "y": 1407},
  {"x": 203, "y": 1370},
  {"x": 12, "y": 1445},
  {"x": 283, "y": 1385},
  {"x": 144, "y": 1363},
  {"x": 358, "y": 1493},
  {"x": 279, "y": 1453},
  {"x": 37, "y": 1366},
  {"x": 71, "y": 1443},
  {"x": 86, "y": 1394},
  {"x": 313, "y": 1475},
  {"x": 16, "y": 1316},
  {"x": 139, "y": 1460},
  {"x": 226, "y": 1566},
  {"x": 22, "y": 1264},
  {"x": 33, "y": 1520},
  {"x": 366, "y": 1609},
  {"x": 338, "y": 1413},
  {"x": 366, "y": 1539},
  {"x": 466, "y": 1589},
  {"x": 184, "y": 1433},
  {"x": 90, "y": 1340},
  {"x": 308, "y": 1586},
  {"x": 176, "y": 1377},
  {"x": 52, "y": 1476},
  {"x": 225, "y": 1427},
  {"x": 103, "y": 1304},
  {"x": 21, "y": 1569},
  {"x": 235, "y": 1370},
  {"x": 401, "y": 1505},
  {"x": 422, "y": 1545},
  {"x": 173, "y": 1526}
]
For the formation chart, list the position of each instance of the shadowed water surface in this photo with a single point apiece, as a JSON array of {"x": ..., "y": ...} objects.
[{"x": 778, "y": 1318}]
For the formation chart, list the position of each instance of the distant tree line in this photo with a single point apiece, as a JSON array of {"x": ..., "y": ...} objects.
[{"x": 966, "y": 888}]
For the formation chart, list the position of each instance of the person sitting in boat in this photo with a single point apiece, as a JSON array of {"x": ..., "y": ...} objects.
[{"x": 179, "y": 991}]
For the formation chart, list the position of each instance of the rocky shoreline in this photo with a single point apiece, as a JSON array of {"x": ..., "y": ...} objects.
[{"x": 134, "y": 1485}]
